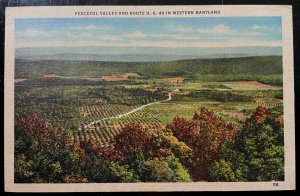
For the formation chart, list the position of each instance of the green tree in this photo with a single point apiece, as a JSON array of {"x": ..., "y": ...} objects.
[
  {"x": 159, "y": 171},
  {"x": 99, "y": 170},
  {"x": 256, "y": 155},
  {"x": 137, "y": 163},
  {"x": 43, "y": 154},
  {"x": 222, "y": 171},
  {"x": 23, "y": 169},
  {"x": 180, "y": 173},
  {"x": 167, "y": 169},
  {"x": 121, "y": 173},
  {"x": 162, "y": 143}
]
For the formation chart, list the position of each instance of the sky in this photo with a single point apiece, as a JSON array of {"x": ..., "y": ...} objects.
[{"x": 187, "y": 33}]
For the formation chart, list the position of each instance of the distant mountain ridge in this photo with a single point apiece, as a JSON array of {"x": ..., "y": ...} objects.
[
  {"x": 141, "y": 54},
  {"x": 186, "y": 68},
  {"x": 131, "y": 57}
]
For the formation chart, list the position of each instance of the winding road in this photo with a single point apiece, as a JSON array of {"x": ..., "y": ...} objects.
[{"x": 132, "y": 111}]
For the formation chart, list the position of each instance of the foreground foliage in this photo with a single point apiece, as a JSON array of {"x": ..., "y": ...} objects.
[
  {"x": 256, "y": 155},
  {"x": 205, "y": 148}
]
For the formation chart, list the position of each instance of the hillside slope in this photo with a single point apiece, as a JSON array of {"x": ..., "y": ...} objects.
[{"x": 230, "y": 66}]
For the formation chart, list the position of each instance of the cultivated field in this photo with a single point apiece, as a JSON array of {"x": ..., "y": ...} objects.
[{"x": 92, "y": 107}]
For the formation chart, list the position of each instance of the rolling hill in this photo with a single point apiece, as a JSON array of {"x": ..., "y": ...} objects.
[{"x": 263, "y": 65}]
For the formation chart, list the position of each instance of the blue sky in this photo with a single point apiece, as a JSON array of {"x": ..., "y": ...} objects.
[{"x": 150, "y": 32}]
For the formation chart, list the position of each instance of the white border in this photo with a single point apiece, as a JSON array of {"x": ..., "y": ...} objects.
[{"x": 284, "y": 11}]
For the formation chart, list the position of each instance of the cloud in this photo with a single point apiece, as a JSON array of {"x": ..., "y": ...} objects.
[
  {"x": 136, "y": 34},
  {"x": 140, "y": 34},
  {"x": 64, "y": 44},
  {"x": 36, "y": 33},
  {"x": 184, "y": 29},
  {"x": 252, "y": 34},
  {"x": 111, "y": 38},
  {"x": 222, "y": 29},
  {"x": 218, "y": 29},
  {"x": 170, "y": 44},
  {"x": 90, "y": 35},
  {"x": 258, "y": 27},
  {"x": 179, "y": 28},
  {"x": 91, "y": 27},
  {"x": 82, "y": 35},
  {"x": 230, "y": 43}
]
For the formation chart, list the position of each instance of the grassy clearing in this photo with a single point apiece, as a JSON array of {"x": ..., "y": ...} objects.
[{"x": 272, "y": 79}]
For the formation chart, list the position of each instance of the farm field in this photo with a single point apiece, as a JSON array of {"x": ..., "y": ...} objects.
[{"x": 77, "y": 102}]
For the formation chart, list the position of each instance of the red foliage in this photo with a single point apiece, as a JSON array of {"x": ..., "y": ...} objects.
[
  {"x": 110, "y": 153},
  {"x": 92, "y": 147},
  {"x": 37, "y": 128},
  {"x": 131, "y": 139},
  {"x": 258, "y": 117},
  {"x": 205, "y": 134},
  {"x": 77, "y": 148},
  {"x": 184, "y": 130}
]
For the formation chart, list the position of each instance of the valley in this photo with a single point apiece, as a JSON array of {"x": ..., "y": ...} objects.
[{"x": 106, "y": 109}]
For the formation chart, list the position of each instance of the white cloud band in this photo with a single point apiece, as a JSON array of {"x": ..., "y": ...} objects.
[
  {"x": 174, "y": 44},
  {"x": 36, "y": 33}
]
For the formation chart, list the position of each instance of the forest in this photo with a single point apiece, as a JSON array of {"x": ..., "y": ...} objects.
[{"x": 262, "y": 68}]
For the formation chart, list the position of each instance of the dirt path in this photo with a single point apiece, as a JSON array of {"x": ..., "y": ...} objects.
[{"x": 132, "y": 111}]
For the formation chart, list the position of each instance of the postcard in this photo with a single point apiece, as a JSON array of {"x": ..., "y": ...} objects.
[{"x": 149, "y": 98}]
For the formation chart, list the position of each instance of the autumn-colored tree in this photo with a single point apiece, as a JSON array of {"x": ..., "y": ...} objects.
[
  {"x": 162, "y": 143},
  {"x": 205, "y": 134},
  {"x": 43, "y": 153},
  {"x": 184, "y": 130},
  {"x": 213, "y": 133},
  {"x": 153, "y": 143},
  {"x": 143, "y": 150},
  {"x": 257, "y": 117},
  {"x": 90, "y": 146},
  {"x": 131, "y": 139},
  {"x": 93, "y": 147},
  {"x": 257, "y": 154},
  {"x": 37, "y": 128}
]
